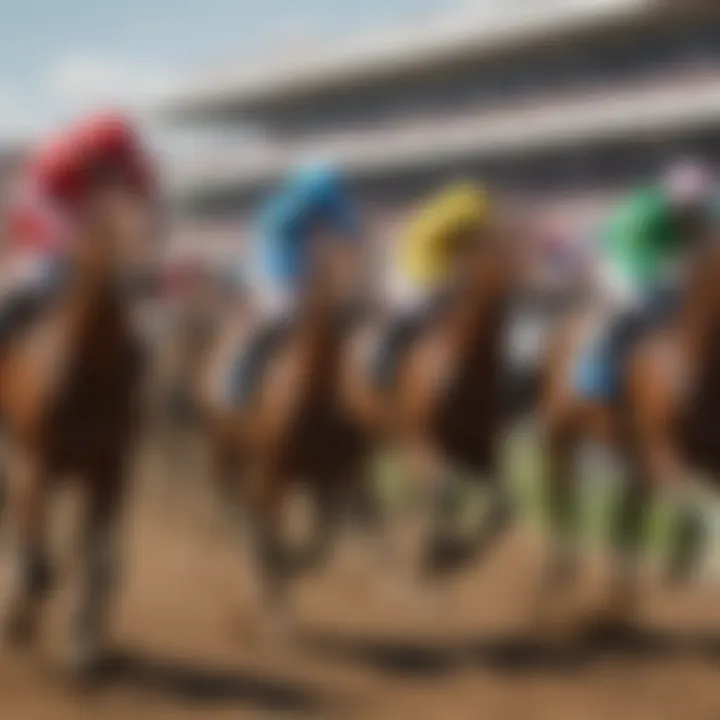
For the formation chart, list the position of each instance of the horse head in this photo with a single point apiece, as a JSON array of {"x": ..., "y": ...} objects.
[
  {"x": 113, "y": 246},
  {"x": 491, "y": 264},
  {"x": 333, "y": 278}
]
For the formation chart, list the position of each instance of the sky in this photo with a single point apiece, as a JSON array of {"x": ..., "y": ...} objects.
[{"x": 61, "y": 57}]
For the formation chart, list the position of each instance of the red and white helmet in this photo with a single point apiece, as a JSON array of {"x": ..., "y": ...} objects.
[
  {"x": 62, "y": 172},
  {"x": 64, "y": 167}
]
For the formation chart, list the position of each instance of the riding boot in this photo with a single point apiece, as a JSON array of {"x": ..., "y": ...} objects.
[
  {"x": 26, "y": 299},
  {"x": 17, "y": 312},
  {"x": 260, "y": 346},
  {"x": 621, "y": 334},
  {"x": 628, "y": 327},
  {"x": 396, "y": 339}
]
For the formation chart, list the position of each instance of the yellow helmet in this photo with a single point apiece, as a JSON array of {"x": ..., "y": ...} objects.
[{"x": 458, "y": 207}]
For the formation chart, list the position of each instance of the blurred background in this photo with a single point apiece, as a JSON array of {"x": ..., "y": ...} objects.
[{"x": 560, "y": 104}]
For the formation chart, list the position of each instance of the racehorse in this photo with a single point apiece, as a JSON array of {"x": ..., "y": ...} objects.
[
  {"x": 69, "y": 386},
  {"x": 664, "y": 423},
  {"x": 293, "y": 429},
  {"x": 445, "y": 414}
]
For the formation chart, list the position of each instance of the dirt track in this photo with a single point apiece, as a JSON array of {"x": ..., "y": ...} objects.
[{"x": 187, "y": 650}]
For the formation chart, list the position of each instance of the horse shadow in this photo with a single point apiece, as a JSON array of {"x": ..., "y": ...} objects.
[
  {"x": 514, "y": 655},
  {"x": 191, "y": 684}
]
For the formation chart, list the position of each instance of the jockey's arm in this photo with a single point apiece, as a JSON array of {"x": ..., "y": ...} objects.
[
  {"x": 615, "y": 285},
  {"x": 617, "y": 289}
]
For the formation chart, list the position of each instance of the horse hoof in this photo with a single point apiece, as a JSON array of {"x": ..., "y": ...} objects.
[
  {"x": 42, "y": 579},
  {"x": 610, "y": 631},
  {"x": 19, "y": 631},
  {"x": 84, "y": 666},
  {"x": 613, "y": 623},
  {"x": 445, "y": 555}
]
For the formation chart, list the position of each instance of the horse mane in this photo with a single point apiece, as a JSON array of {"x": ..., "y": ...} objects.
[
  {"x": 480, "y": 303},
  {"x": 92, "y": 308}
]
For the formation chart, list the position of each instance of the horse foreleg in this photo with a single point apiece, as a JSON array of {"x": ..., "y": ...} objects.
[
  {"x": 31, "y": 574},
  {"x": 497, "y": 521},
  {"x": 333, "y": 501},
  {"x": 626, "y": 533},
  {"x": 266, "y": 498},
  {"x": 667, "y": 471},
  {"x": 99, "y": 565},
  {"x": 560, "y": 444},
  {"x": 383, "y": 503}
]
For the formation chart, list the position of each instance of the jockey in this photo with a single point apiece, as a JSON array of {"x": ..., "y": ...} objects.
[
  {"x": 645, "y": 249},
  {"x": 313, "y": 205},
  {"x": 59, "y": 177},
  {"x": 430, "y": 256}
]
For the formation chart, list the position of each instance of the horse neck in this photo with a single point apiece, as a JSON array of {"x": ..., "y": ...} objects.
[
  {"x": 95, "y": 310},
  {"x": 475, "y": 326},
  {"x": 317, "y": 334}
]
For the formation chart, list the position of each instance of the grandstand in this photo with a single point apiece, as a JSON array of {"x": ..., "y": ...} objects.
[{"x": 554, "y": 98}]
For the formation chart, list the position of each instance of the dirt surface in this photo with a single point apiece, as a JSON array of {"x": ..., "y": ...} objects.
[{"x": 188, "y": 645}]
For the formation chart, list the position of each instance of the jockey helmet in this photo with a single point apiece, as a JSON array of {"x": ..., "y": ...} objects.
[{"x": 320, "y": 184}]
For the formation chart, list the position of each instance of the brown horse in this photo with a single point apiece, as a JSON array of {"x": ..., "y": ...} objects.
[
  {"x": 68, "y": 395},
  {"x": 665, "y": 423},
  {"x": 292, "y": 430},
  {"x": 446, "y": 411}
]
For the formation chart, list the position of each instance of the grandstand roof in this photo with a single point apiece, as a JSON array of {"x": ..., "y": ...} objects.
[
  {"x": 633, "y": 112},
  {"x": 491, "y": 26}
]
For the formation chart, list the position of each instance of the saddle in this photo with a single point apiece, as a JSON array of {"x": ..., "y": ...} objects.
[
  {"x": 249, "y": 360},
  {"x": 391, "y": 347},
  {"x": 21, "y": 307},
  {"x": 29, "y": 288}
]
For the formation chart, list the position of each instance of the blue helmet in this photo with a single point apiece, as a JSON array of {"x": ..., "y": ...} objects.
[{"x": 319, "y": 184}]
